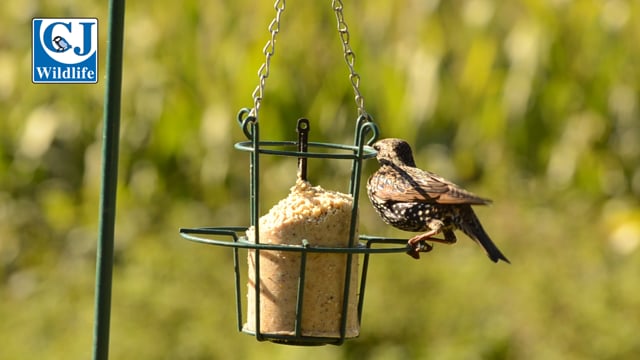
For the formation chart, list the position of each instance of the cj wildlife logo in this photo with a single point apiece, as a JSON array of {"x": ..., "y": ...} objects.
[{"x": 65, "y": 50}]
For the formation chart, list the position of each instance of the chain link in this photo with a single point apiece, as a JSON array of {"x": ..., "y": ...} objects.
[
  {"x": 268, "y": 51},
  {"x": 349, "y": 55},
  {"x": 270, "y": 47}
]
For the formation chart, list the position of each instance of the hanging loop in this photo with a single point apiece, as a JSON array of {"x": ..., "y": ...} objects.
[
  {"x": 349, "y": 55},
  {"x": 366, "y": 126},
  {"x": 245, "y": 119},
  {"x": 268, "y": 51}
]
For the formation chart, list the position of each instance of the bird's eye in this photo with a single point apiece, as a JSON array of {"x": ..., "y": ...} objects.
[{"x": 376, "y": 147}]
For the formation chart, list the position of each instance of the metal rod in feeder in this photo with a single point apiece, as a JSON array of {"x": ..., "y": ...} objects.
[{"x": 303, "y": 128}]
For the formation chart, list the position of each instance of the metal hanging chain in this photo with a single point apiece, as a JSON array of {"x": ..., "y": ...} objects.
[
  {"x": 270, "y": 47},
  {"x": 349, "y": 55},
  {"x": 268, "y": 51}
]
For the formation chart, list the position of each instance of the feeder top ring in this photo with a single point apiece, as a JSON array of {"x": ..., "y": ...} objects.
[{"x": 350, "y": 150}]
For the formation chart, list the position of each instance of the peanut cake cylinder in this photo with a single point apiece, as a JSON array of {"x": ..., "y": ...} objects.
[{"x": 323, "y": 218}]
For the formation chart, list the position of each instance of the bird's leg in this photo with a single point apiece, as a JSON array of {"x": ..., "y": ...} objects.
[
  {"x": 423, "y": 237},
  {"x": 419, "y": 243},
  {"x": 449, "y": 237}
]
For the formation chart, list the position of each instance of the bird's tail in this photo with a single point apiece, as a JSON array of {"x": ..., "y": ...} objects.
[{"x": 471, "y": 226}]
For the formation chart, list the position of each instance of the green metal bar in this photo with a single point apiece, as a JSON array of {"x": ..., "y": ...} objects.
[
  {"x": 104, "y": 266},
  {"x": 363, "y": 281},
  {"x": 241, "y": 242},
  {"x": 236, "y": 270},
  {"x": 368, "y": 152},
  {"x": 301, "y": 280},
  {"x": 255, "y": 217},
  {"x": 354, "y": 187}
]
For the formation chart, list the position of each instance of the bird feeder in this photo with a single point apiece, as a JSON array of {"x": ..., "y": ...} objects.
[{"x": 306, "y": 261}]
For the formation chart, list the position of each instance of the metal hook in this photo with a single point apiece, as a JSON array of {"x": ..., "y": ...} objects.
[
  {"x": 302, "y": 129},
  {"x": 245, "y": 119},
  {"x": 365, "y": 125},
  {"x": 375, "y": 132}
]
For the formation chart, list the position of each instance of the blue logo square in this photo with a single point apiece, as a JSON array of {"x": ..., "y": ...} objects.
[{"x": 65, "y": 50}]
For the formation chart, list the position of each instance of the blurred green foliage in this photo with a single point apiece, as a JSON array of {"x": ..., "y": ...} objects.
[{"x": 531, "y": 103}]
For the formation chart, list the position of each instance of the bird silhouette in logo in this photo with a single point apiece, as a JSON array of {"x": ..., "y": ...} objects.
[{"x": 61, "y": 44}]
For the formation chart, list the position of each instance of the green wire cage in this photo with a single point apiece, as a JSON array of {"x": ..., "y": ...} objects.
[
  {"x": 344, "y": 277},
  {"x": 354, "y": 277},
  {"x": 364, "y": 245}
]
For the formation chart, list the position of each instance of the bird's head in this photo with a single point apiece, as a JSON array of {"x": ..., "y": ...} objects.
[{"x": 394, "y": 151}]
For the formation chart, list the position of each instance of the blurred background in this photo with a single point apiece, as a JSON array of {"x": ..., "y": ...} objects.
[{"x": 533, "y": 104}]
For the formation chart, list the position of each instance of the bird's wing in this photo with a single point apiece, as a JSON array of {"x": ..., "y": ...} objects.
[{"x": 418, "y": 185}]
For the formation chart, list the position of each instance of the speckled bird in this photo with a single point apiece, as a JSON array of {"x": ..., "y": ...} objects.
[{"x": 412, "y": 199}]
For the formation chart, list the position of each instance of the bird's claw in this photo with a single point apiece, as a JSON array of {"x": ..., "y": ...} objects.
[
  {"x": 414, "y": 253},
  {"x": 415, "y": 249}
]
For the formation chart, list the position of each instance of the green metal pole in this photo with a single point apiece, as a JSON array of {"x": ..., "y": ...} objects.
[{"x": 111, "y": 134}]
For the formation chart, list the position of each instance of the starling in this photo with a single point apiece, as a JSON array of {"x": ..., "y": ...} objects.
[{"x": 415, "y": 200}]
